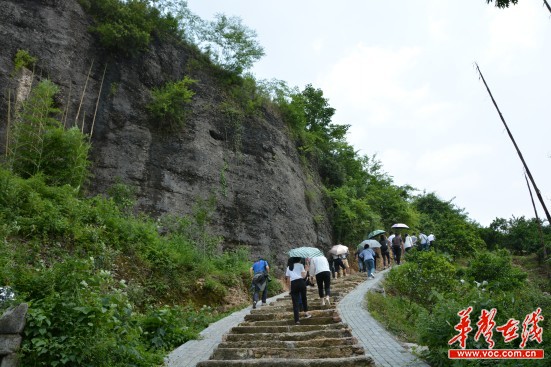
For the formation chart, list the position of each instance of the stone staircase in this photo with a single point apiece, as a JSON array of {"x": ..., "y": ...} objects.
[{"x": 269, "y": 336}]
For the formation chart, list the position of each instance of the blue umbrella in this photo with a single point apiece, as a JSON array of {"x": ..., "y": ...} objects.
[{"x": 305, "y": 252}]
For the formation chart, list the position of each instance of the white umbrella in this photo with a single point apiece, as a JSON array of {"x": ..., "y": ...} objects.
[
  {"x": 371, "y": 243},
  {"x": 338, "y": 249},
  {"x": 399, "y": 225}
]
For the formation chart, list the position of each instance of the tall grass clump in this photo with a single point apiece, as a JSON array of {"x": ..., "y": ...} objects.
[{"x": 39, "y": 144}]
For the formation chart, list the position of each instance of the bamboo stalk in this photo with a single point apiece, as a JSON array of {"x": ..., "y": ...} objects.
[
  {"x": 9, "y": 123},
  {"x": 83, "y": 93},
  {"x": 66, "y": 112},
  {"x": 82, "y": 126},
  {"x": 537, "y": 218},
  {"x": 538, "y": 193},
  {"x": 31, "y": 86},
  {"x": 97, "y": 102}
]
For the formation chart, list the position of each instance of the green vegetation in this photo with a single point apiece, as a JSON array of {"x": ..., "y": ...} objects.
[
  {"x": 38, "y": 143},
  {"x": 456, "y": 234},
  {"x": 169, "y": 104},
  {"x": 23, "y": 60},
  {"x": 425, "y": 294},
  {"x": 105, "y": 287},
  {"x": 126, "y": 27}
]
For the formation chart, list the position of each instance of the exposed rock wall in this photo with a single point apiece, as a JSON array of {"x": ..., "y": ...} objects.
[
  {"x": 264, "y": 199},
  {"x": 12, "y": 323}
]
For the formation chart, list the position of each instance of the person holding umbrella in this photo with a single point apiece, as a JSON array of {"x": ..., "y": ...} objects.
[
  {"x": 336, "y": 252},
  {"x": 368, "y": 257},
  {"x": 295, "y": 275},
  {"x": 397, "y": 247}
]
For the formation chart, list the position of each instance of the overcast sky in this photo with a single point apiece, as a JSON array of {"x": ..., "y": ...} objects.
[{"x": 402, "y": 74}]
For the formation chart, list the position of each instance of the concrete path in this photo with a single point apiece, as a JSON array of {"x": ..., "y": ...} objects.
[{"x": 377, "y": 342}]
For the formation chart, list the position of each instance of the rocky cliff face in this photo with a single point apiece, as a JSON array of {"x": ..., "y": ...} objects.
[{"x": 263, "y": 198}]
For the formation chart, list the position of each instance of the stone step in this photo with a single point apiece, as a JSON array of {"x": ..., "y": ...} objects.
[
  {"x": 284, "y": 329},
  {"x": 259, "y": 316},
  {"x": 359, "y": 361},
  {"x": 269, "y": 337},
  {"x": 290, "y": 336},
  {"x": 290, "y": 321},
  {"x": 288, "y": 307},
  {"x": 298, "y": 353},
  {"x": 319, "y": 342}
]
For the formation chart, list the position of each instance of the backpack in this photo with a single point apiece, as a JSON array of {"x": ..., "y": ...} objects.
[
  {"x": 397, "y": 241},
  {"x": 384, "y": 245}
]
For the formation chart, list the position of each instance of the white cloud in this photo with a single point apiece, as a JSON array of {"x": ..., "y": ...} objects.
[
  {"x": 318, "y": 45},
  {"x": 438, "y": 30},
  {"x": 448, "y": 159},
  {"x": 374, "y": 79}
]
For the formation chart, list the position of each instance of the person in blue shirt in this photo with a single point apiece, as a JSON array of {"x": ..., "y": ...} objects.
[
  {"x": 368, "y": 257},
  {"x": 259, "y": 274}
]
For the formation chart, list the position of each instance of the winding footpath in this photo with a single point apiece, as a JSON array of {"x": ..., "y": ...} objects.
[{"x": 381, "y": 348}]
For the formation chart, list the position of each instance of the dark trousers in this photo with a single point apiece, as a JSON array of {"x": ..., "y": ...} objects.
[
  {"x": 397, "y": 253},
  {"x": 264, "y": 294},
  {"x": 337, "y": 265},
  {"x": 386, "y": 258},
  {"x": 324, "y": 283},
  {"x": 298, "y": 295}
]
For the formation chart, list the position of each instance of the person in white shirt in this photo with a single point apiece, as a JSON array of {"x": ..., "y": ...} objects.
[
  {"x": 408, "y": 243},
  {"x": 431, "y": 239},
  {"x": 319, "y": 266},
  {"x": 295, "y": 275},
  {"x": 390, "y": 238},
  {"x": 424, "y": 241}
]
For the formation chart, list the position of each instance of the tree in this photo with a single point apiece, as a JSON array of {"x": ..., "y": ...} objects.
[
  {"x": 231, "y": 44},
  {"x": 503, "y": 3},
  {"x": 455, "y": 233}
]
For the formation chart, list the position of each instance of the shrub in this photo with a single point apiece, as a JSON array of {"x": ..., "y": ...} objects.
[
  {"x": 122, "y": 27},
  {"x": 497, "y": 269},
  {"x": 166, "y": 328},
  {"x": 123, "y": 196},
  {"x": 421, "y": 276},
  {"x": 169, "y": 104},
  {"x": 77, "y": 317},
  {"x": 23, "y": 60}
]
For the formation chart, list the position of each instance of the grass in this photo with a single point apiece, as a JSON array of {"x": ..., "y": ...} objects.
[
  {"x": 537, "y": 274},
  {"x": 397, "y": 314}
]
